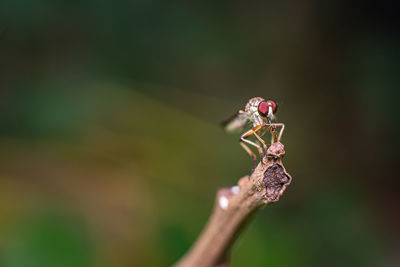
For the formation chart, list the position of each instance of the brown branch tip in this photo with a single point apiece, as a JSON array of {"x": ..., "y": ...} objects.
[{"x": 234, "y": 206}]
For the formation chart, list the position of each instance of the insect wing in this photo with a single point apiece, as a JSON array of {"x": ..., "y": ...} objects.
[{"x": 236, "y": 122}]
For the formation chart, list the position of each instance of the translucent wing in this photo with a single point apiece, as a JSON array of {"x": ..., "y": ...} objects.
[{"x": 236, "y": 122}]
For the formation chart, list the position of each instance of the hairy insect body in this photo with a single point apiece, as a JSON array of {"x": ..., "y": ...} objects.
[
  {"x": 252, "y": 112},
  {"x": 259, "y": 113}
]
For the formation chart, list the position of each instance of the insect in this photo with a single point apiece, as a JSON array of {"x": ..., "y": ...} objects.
[{"x": 259, "y": 114}]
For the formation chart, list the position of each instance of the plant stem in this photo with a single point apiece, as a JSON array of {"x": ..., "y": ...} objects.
[{"x": 234, "y": 207}]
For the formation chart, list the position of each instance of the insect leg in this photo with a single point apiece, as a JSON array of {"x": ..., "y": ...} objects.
[
  {"x": 252, "y": 155},
  {"x": 272, "y": 130},
  {"x": 248, "y": 133},
  {"x": 263, "y": 152},
  {"x": 253, "y": 132},
  {"x": 281, "y": 131}
]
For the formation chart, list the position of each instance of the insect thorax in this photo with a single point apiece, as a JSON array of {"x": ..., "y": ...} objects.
[{"x": 252, "y": 111}]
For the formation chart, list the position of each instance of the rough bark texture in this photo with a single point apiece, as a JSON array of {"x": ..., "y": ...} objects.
[{"x": 234, "y": 207}]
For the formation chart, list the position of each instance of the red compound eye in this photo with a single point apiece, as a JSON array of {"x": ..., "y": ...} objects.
[
  {"x": 263, "y": 108},
  {"x": 274, "y": 106}
]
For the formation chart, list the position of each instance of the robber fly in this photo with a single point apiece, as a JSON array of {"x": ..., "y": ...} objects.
[{"x": 259, "y": 114}]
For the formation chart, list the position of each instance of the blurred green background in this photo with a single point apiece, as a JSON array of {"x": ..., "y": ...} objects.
[{"x": 111, "y": 152}]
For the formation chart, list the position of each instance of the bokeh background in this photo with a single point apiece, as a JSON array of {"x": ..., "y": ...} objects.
[{"x": 110, "y": 145}]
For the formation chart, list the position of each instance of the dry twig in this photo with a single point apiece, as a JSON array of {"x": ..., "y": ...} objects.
[{"x": 233, "y": 208}]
